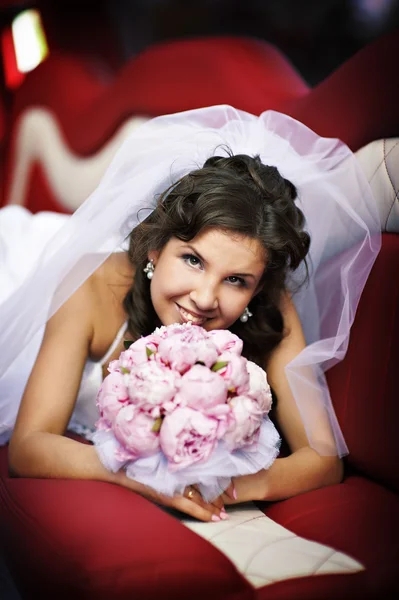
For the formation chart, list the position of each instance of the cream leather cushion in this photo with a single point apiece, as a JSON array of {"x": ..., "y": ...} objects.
[
  {"x": 265, "y": 552},
  {"x": 380, "y": 162}
]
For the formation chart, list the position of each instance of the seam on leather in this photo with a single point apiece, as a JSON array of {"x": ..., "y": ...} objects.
[
  {"x": 379, "y": 164},
  {"x": 232, "y": 527},
  {"x": 390, "y": 179},
  {"x": 325, "y": 559},
  {"x": 269, "y": 545}
]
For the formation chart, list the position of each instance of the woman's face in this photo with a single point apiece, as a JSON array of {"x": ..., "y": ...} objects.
[{"x": 208, "y": 280}]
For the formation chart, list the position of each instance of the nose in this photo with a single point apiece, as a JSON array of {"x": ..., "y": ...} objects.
[{"x": 204, "y": 296}]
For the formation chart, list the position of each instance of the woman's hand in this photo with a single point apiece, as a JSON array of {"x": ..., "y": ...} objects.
[
  {"x": 190, "y": 503},
  {"x": 193, "y": 504}
]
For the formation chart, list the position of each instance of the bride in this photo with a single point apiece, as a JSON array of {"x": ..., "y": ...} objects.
[{"x": 215, "y": 217}]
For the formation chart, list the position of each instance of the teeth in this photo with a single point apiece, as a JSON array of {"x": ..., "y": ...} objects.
[{"x": 190, "y": 317}]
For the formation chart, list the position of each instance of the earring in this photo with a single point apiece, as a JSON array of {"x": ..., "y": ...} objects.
[
  {"x": 149, "y": 269},
  {"x": 245, "y": 315}
]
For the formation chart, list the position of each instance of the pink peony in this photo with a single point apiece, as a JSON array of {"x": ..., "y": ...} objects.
[
  {"x": 114, "y": 366},
  {"x": 248, "y": 419},
  {"x": 225, "y": 341},
  {"x": 103, "y": 424},
  {"x": 134, "y": 430},
  {"x": 235, "y": 374},
  {"x": 138, "y": 352},
  {"x": 112, "y": 396},
  {"x": 152, "y": 387},
  {"x": 166, "y": 331},
  {"x": 185, "y": 348},
  {"x": 259, "y": 389},
  {"x": 203, "y": 389},
  {"x": 187, "y": 437}
]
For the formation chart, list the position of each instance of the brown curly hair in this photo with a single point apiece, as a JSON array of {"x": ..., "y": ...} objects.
[{"x": 236, "y": 193}]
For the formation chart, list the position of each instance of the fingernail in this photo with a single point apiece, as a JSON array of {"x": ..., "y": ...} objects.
[
  {"x": 215, "y": 518},
  {"x": 223, "y": 515},
  {"x": 234, "y": 493}
]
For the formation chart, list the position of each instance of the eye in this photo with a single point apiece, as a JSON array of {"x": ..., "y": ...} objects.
[
  {"x": 191, "y": 260},
  {"x": 238, "y": 281}
]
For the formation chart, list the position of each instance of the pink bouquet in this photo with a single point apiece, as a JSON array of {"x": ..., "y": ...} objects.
[{"x": 182, "y": 406}]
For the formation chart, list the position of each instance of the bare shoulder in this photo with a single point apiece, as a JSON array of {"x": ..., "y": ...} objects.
[{"x": 95, "y": 312}]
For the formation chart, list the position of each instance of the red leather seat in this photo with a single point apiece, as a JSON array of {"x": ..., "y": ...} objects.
[{"x": 357, "y": 103}]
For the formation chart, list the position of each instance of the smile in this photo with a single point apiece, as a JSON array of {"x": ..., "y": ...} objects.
[{"x": 189, "y": 317}]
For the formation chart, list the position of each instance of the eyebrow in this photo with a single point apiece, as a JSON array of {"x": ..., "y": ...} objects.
[{"x": 204, "y": 261}]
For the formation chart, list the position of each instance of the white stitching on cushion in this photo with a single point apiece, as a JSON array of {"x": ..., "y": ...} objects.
[{"x": 396, "y": 192}]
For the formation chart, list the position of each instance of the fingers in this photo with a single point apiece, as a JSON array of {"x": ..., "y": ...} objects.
[
  {"x": 193, "y": 504},
  {"x": 202, "y": 512},
  {"x": 217, "y": 503},
  {"x": 215, "y": 507}
]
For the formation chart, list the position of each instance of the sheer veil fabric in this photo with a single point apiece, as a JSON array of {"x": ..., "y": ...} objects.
[{"x": 341, "y": 217}]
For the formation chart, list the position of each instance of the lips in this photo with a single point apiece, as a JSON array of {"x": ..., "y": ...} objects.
[{"x": 190, "y": 317}]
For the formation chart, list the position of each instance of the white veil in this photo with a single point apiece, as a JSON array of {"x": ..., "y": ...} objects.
[{"x": 341, "y": 217}]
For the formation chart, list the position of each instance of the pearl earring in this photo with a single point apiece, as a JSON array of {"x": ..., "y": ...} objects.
[
  {"x": 245, "y": 315},
  {"x": 149, "y": 269}
]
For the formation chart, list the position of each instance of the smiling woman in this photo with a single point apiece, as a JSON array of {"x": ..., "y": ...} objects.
[{"x": 209, "y": 264}]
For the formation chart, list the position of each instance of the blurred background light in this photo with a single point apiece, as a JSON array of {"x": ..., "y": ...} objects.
[{"x": 29, "y": 40}]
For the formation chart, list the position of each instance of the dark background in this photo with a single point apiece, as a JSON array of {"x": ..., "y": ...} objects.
[{"x": 317, "y": 35}]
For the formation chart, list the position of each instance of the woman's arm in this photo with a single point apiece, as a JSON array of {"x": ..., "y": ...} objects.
[
  {"x": 54, "y": 456},
  {"x": 38, "y": 447},
  {"x": 305, "y": 469}
]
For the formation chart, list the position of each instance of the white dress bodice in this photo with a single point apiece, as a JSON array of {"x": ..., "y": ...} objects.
[{"x": 85, "y": 414}]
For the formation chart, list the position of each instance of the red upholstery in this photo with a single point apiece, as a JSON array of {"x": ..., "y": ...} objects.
[
  {"x": 174, "y": 76},
  {"x": 365, "y": 385},
  {"x": 248, "y": 74},
  {"x": 167, "y": 77},
  {"x": 59, "y": 532},
  {"x": 55, "y": 534}
]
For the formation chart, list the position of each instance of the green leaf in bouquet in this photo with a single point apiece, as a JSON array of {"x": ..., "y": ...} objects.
[
  {"x": 157, "y": 425},
  {"x": 219, "y": 365},
  {"x": 127, "y": 344},
  {"x": 125, "y": 371},
  {"x": 149, "y": 352}
]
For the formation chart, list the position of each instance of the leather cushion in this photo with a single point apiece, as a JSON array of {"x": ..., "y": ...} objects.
[
  {"x": 364, "y": 386},
  {"x": 358, "y": 517},
  {"x": 86, "y": 539}
]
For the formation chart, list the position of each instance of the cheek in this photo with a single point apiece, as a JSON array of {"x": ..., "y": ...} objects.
[
  {"x": 169, "y": 281},
  {"x": 233, "y": 303}
]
